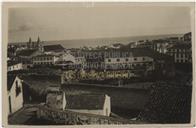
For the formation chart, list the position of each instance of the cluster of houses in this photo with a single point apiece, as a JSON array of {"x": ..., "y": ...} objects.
[
  {"x": 156, "y": 55},
  {"x": 141, "y": 53},
  {"x": 57, "y": 100}
]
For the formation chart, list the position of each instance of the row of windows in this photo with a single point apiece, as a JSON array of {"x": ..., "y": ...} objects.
[
  {"x": 43, "y": 58},
  {"x": 181, "y": 61},
  {"x": 135, "y": 59},
  {"x": 177, "y": 50},
  {"x": 180, "y": 55},
  {"x": 43, "y": 63}
]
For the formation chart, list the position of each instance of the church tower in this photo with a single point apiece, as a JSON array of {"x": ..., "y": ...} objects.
[{"x": 29, "y": 43}]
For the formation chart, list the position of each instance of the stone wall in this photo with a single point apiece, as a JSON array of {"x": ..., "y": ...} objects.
[{"x": 74, "y": 118}]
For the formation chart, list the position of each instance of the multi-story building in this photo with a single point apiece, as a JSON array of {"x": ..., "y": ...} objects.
[
  {"x": 45, "y": 59},
  {"x": 181, "y": 53}
]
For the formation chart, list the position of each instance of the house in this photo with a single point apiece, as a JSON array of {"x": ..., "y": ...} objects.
[
  {"x": 127, "y": 59},
  {"x": 56, "y": 49},
  {"x": 15, "y": 66},
  {"x": 65, "y": 59},
  {"x": 15, "y": 93},
  {"x": 181, "y": 53},
  {"x": 89, "y": 103},
  {"x": 45, "y": 59}
]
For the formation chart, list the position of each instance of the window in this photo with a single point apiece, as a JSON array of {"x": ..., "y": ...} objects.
[
  {"x": 109, "y": 60},
  {"x": 181, "y": 55},
  {"x": 135, "y": 59},
  {"x": 127, "y": 59},
  {"x": 18, "y": 89},
  {"x": 143, "y": 58},
  {"x": 117, "y": 60}
]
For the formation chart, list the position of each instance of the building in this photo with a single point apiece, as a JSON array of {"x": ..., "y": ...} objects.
[
  {"x": 181, "y": 53},
  {"x": 25, "y": 56},
  {"x": 38, "y": 45},
  {"x": 45, "y": 59},
  {"x": 92, "y": 104},
  {"x": 56, "y": 49},
  {"x": 187, "y": 37},
  {"x": 66, "y": 57},
  {"x": 15, "y": 93},
  {"x": 161, "y": 45},
  {"x": 15, "y": 66}
]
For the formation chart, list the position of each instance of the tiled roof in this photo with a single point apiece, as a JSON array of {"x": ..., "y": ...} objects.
[
  {"x": 41, "y": 81},
  {"x": 45, "y": 55},
  {"x": 181, "y": 46},
  {"x": 58, "y": 47},
  {"x": 90, "y": 102},
  {"x": 26, "y": 52},
  {"x": 10, "y": 63},
  {"x": 10, "y": 80}
]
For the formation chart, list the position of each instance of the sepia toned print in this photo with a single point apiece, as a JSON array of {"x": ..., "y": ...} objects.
[{"x": 101, "y": 64}]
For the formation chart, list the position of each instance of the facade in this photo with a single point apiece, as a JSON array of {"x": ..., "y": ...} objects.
[
  {"x": 181, "y": 53},
  {"x": 15, "y": 66},
  {"x": 65, "y": 59},
  {"x": 15, "y": 93},
  {"x": 45, "y": 59},
  {"x": 92, "y": 104}
]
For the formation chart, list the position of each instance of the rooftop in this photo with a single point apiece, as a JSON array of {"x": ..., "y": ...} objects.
[
  {"x": 90, "y": 102},
  {"x": 56, "y": 48},
  {"x": 181, "y": 46},
  {"x": 26, "y": 52}
]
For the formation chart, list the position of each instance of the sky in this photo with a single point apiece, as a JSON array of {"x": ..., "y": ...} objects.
[{"x": 83, "y": 22}]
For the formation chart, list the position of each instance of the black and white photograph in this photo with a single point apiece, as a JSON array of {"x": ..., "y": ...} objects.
[{"x": 98, "y": 64}]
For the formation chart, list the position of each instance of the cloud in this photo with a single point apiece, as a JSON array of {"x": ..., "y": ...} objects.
[{"x": 22, "y": 28}]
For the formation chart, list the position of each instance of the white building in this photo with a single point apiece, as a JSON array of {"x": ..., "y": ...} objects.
[
  {"x": 127, "y": 62},
  {"x": 45, "y": 59},
  {"x": 16, "y": 66},
  {"x": 65, "y": 59},
  {"x": 15, "y": 93},
  {"x": 181, "y": 53}
]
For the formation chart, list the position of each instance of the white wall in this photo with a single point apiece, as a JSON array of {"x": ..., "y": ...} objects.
[
  {"x": 16, "y": 101},
  {"x": 107, "y": 105},
  {"x": 15, "y": 67},
  {"x": 130, "y": 60},
  {"x": 97, "y": 112}
]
